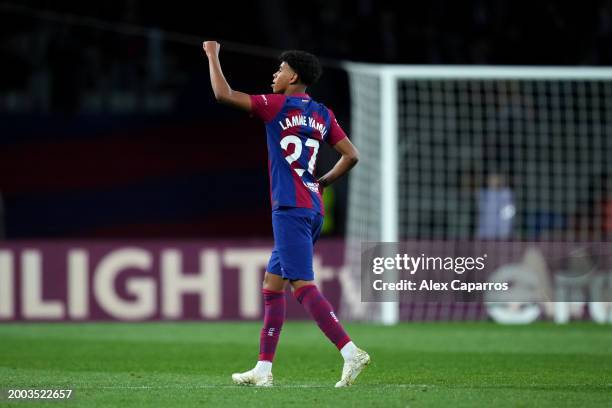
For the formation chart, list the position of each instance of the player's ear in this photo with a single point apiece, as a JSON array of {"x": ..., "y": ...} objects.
[{"x": 294, "y": 78}]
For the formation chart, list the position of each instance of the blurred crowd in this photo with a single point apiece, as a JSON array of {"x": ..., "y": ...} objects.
[
  {"x": 129, "y": 79},
  {"x": 71, "y": 64},
  {"x": 458, "y": 32}
]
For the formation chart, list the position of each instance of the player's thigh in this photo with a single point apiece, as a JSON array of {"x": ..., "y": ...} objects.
[
  {"x": 296, "y": 261},
  {"x": 290, "y": 225},
  {"x": 273, "y": 278},
  {"x": 317, "y": 226},
  {"x": 293, "y": 242},
  {"x": 274, "y": 264}
]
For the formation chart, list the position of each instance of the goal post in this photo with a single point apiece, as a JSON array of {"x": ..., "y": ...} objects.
[
  {"x": 433, "y": 138},
  {"x": 374, "y": 215}
]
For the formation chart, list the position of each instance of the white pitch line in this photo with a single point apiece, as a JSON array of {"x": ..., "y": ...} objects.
[
  {"x": 187, "y": 387},
  {"x": 78, "y": 387}
]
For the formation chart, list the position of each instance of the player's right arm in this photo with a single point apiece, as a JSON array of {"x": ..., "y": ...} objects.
[{"x": 223, "y": 92}]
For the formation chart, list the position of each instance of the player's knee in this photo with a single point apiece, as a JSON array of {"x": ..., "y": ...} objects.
[
  {"x": 273, "y": 282},
  {"x": 268, "y": 282},
  {"x": 295, "y": 285}
]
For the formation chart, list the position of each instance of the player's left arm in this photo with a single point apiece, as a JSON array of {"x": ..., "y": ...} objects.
[
  {"x": 223, "y": 92},
  {"x": 348, "y": 160},
  {"x": 350, "y": 156}
]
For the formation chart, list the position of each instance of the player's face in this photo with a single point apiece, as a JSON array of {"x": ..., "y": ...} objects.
[{"x": 283, "y": 78}]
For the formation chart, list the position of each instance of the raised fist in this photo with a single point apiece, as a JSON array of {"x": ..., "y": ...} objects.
[{"x": 211, "y": 48}]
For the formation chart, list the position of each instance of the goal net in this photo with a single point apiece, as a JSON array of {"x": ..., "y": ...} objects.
[{"x": 477, "y": 153}]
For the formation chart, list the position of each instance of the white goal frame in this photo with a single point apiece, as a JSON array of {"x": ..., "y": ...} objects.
[{"x": 389, "y": 77}]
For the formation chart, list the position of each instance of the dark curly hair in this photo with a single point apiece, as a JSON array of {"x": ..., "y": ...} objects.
[{"x": 306, "y": 65}]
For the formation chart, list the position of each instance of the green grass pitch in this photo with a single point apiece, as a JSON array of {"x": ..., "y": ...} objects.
[{"x": 415, "y": 365}]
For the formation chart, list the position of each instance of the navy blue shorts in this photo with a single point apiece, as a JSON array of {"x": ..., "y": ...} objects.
[{"x": 295, "y": 232}]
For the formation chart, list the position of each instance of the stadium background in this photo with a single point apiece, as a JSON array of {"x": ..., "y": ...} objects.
[
  {"x": 112, "y": 149},
  {"x": 110, "y": 130},
  {"x": 112, "y": 135}
]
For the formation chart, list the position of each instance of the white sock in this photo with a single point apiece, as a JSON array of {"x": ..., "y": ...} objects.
[
  {"x": 348, "y": 351},
  {"x": 263, "y": 367}
]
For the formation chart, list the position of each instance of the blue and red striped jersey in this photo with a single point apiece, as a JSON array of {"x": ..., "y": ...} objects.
[{"x": 295, "y": 126}]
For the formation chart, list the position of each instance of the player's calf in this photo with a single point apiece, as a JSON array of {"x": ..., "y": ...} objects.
[{"x": 355, "y": 359}]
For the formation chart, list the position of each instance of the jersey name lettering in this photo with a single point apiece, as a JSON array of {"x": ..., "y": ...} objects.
[{"x": 301, "y": 120}]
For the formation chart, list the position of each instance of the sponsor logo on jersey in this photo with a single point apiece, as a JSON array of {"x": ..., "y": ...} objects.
[{"x": 312, "y": 186}]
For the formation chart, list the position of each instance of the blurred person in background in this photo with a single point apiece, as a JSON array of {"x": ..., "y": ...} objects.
[{"x": 496, "y": 209}]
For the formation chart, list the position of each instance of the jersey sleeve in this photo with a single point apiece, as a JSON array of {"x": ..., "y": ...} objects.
[
  {"x": 336, "y": 133},
  {"x": 266, "y": 107}
]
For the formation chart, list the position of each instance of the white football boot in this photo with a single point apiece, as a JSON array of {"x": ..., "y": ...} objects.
[
  {"x": 353, "y": 367},
  {"x": 252, "y": 377}
]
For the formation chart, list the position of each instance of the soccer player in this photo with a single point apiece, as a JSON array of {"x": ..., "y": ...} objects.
[{"x": 296, "y": 125}]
